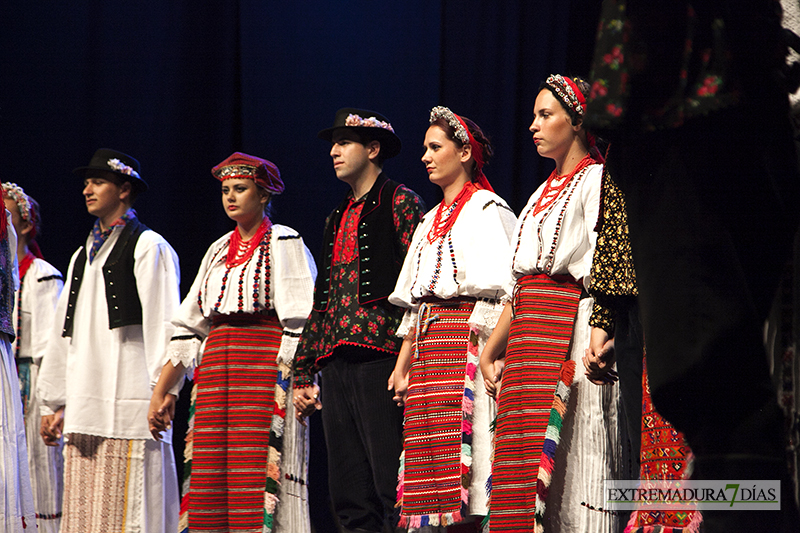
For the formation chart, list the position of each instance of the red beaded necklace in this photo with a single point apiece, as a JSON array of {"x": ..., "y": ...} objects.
[
  {"x": 555, "y": 184},
  {"x": 239, "y": 250},
  {"x": 441, "y": 227}
]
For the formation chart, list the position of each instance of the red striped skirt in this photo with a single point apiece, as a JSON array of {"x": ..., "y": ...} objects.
[
  {"x": 233, "y": 413},
  {"x": 437, "y": 426},
  {"x": 538, "y": 344}
]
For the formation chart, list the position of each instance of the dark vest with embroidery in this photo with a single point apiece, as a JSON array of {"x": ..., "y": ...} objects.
[
  {"x": 122, "y": 295},
  {"x": 380, "y": 253}
]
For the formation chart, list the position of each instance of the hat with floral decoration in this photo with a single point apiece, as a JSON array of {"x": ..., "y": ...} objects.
[
  {"x": 121, "y": 164},
  {"x": 368, "y": 123}
]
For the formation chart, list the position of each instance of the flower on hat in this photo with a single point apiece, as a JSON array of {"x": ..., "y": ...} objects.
[
  {"x": 369, "y": 122},
  {"x": 119, "y": 166}
]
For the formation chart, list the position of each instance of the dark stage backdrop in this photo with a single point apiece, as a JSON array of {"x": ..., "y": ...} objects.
[{"x": 181, "y": 85}]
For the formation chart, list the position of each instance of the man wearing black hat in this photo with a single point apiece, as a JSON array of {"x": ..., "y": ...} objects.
[
  {"x": 107, "y": 347},
  {"x": 351, "y": 333}
]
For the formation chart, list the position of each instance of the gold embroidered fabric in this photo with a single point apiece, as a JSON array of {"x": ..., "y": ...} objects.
[{"x": 613, "y": 274}]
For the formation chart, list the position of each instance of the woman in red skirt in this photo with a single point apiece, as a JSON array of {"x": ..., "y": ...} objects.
[
  {"x": 452, "y": 284},
  {"x": 247, "y": 306},
  {"x": 545, "y": 478}
]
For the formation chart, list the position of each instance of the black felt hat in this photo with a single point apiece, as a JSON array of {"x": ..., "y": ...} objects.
[
  {"x": 112, "y": 161},
  {"x": 365, "y": 122}
]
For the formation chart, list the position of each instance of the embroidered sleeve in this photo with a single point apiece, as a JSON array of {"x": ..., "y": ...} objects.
[
  {"x": 612, "y": 265},
  {"x": 183, "y": 348},
  {"x": 305, "y": 357},
  {"x": 602, "y": 317},
  {"x": 408, "y": 210}
]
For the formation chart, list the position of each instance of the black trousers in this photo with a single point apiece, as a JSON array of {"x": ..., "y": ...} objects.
[{"x": 364, "y": 436}]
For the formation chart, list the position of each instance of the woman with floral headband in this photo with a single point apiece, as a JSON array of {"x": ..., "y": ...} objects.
[
  {"x": 452, "y": 285},
  {"x": 537, "y": 483},
  {"x": 39, "y": 288},
  {"x": 17, "y": 512},
  {"x": 247, "y": 454}
]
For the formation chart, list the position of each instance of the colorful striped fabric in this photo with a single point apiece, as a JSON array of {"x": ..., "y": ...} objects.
[
  {"x": 538, "y": 346},
  {"x": 435, "y": 470},
  {"x": 234, "y": 458}
]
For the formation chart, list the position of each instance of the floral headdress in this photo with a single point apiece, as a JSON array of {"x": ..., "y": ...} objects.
[
  {"x": 28, "y": 211},
  {"x": 462, "y": 134},
  {"x": 16, "y": 193},
  {"x": 369, "y": 122},
  {"x": 119, "y": 166}
]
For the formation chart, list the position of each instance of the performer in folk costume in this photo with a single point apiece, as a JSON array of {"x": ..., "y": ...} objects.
[
  {"x": 537, "y": 483},
  {"x": 39, "y": 288},
  {"x": 712, "y": 220},
  {"x": 617, "y": 339},
  {"x": 104, "y": 352},
  {"x": 351, "y": 335},
  {"x": 452, "y": 284},
  {"x": 17, "y": 513},
  {"x": 247, "y": 454}
]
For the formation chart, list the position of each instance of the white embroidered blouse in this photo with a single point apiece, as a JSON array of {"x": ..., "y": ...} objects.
[
  {"x": 560, "y": 239},
  {"x": 280, "y": 274},
  {"x": 469, "y": 260}
]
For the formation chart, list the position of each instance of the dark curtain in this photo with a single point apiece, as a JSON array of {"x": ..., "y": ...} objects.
[{"x": 181, "y": 85}]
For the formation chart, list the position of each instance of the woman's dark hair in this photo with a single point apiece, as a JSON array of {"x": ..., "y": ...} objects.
[
  {"x": 477, "y": 133},
  {"x": 36, "y": 216},
  {"x": 584, "y": 87},
  {"x": 269, "y": 211}
]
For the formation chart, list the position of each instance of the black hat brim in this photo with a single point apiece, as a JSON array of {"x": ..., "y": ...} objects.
[{"x": 138, "y": 183}]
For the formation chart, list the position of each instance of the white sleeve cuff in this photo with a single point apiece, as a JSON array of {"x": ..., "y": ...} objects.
[
  {"x": 409, "y": 322},
  {"x": 183, "y": 350},
  {"x": 485, "y": 315},
  {"x": 288, "y": 347}
]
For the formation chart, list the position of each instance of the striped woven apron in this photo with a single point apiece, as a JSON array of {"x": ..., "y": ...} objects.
[
  {"x": 230, "y": 445},
  {"x": 435, "y": 470},
  {"x": 534, "y": 390}
]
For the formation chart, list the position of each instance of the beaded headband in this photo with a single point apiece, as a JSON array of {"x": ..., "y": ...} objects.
[
  {"x": 15, "y": 192},
  {"x": 568, "y": 92}
]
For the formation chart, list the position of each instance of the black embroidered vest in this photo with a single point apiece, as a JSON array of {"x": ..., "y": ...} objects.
[
  {"x": 380, "y": 253},
  {"x": 122, "y": 295}
]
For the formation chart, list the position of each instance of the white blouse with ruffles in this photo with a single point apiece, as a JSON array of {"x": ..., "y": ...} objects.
[
  {"x": 559, "y": 240},
  {"x": 469, "y": 260},
  {"x": 291, "y": 286}
]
